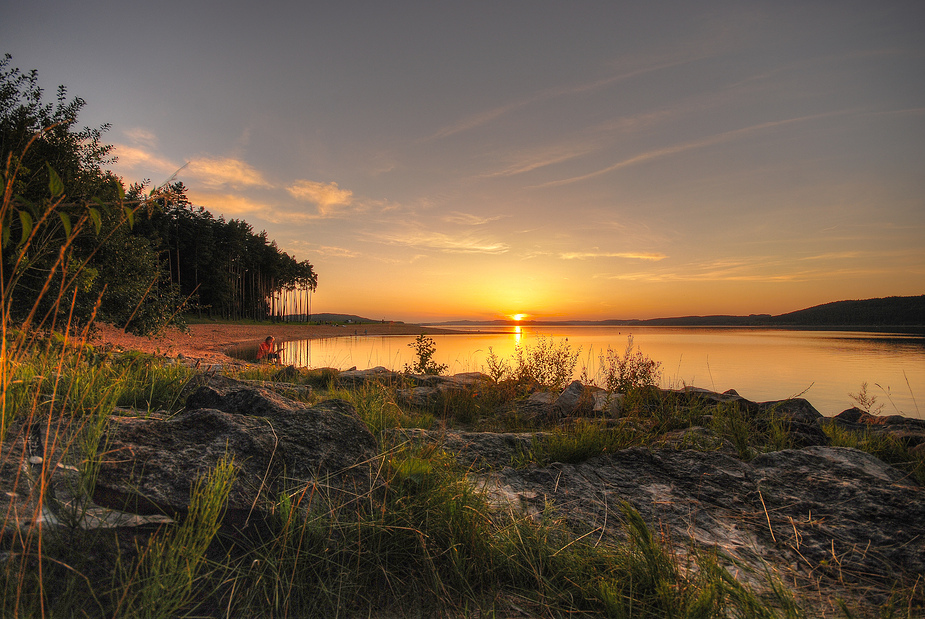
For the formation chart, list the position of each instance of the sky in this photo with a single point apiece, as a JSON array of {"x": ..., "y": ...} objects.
[{"x": 476, "y": 160}]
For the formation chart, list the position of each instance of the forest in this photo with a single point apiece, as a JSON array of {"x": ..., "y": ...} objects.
[{"x": 77, "y": 243}]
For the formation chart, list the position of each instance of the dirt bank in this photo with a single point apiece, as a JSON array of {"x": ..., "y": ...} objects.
[{"x": 208, "y": 341}]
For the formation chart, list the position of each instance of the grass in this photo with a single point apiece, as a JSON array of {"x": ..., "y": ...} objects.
[{"x": 429, "y": 543}]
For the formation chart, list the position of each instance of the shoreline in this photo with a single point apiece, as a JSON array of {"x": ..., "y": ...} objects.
[{"x": 209, "y": 341}]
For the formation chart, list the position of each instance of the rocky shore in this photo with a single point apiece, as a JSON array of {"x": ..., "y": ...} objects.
[{"x": 830, "y": 522}]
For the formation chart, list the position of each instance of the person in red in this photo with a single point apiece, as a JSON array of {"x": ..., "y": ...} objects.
[{"x": 267, "y": 350}]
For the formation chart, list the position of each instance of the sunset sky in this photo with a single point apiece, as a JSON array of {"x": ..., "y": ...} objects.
[{"x": 595, "y": 160}]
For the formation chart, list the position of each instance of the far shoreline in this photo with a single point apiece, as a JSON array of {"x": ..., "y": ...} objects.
[{"x": 210, "y": 341}]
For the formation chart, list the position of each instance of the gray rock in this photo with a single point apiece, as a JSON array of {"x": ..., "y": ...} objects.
[
  {"x": 276, "y": 444},
  {"x": 430, "y": 389},
  {"x": 828, "y": 512},
  {"x": 908, "y": 431},
  {"x": 354, "y": 377},
  {"x": 481, "y": 450},
  {"x": 575, "y": 400}
]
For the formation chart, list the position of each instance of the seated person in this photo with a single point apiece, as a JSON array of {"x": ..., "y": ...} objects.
[{"x": 267, "y": 350}]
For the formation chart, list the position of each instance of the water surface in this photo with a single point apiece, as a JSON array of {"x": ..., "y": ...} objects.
[{"x": 760, "y": 364}]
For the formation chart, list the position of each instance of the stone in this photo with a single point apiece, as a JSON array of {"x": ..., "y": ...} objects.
[
  {"x": 276, "y": 445},
  {"x": 908, "y": 431},
  {"x": 575, "y": 400},
  {"x": 380, "y": 374},
  {"x": 838, "y": 514},
  {"x": 427, "y": 389}
]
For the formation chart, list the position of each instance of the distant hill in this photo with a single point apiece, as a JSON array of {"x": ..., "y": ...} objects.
[
  {"x": 885, "y": 312},
  {"x": 351, "y": 318}
]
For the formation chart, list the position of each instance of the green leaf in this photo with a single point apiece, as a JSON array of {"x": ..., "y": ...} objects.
[
  {"x": 130, "y": 215},
  {"x": 26, "y": 220},
  {"x": 66, "y": 222},
  {"x": 104, "y": 206},
  {"x": 55, "y": 186},
  {"x": 97, "y": 221},
  {"x": 5, "y": 236}
]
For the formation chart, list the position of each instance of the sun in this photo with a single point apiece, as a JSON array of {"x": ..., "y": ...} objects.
[{"x": 518, "y": 317}]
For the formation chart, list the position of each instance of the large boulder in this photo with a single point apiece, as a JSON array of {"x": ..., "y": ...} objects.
[
  {"x": 276, "y": 445},
  {"x": 908, "y": 431},
  {"x": 814, "y": 515},
  {"x": 829, "y": 512},
  {"x": 427, "y": 390}
]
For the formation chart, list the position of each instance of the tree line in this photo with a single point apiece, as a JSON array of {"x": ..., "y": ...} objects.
[{"x": 77, "y": 243}]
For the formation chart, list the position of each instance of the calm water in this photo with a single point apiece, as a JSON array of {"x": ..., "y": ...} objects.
[{"x": 760, "y": 364}]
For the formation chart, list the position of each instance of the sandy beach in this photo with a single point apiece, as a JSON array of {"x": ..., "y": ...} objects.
[{"x": 208, "y": 341}]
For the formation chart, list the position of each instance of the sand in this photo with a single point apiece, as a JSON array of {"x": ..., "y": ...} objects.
[{"x": 209, "y": 341}]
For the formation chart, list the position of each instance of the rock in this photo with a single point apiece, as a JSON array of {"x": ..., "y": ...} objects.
[
  {"x": 607, "y": 404},
  {"x": 575, "y": 400},
  {"x": 55, "y": 504},
  {"x": 430, "y": 389},
  {"x": 354, "y": 377},
  {"x": 276, "y": 444},
  {"x": 835, "y": 513},
  {"x": 286, "y": 375},
  {"x": 481, "y": 450},
  {"x": 908, "y": 431}
]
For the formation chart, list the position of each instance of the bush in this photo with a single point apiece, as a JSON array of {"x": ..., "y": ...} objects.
[
  {"x": 424, "y": 347},
  {"x": 631, "y": 372},
  {"x": 548, "y": 363}
]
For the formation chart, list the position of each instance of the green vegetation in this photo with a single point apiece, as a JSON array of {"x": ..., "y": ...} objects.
[
  {"x": 428, "y": 543},
  {"x": 135, "y": 258},
  {"x": 424, "y": 348}
]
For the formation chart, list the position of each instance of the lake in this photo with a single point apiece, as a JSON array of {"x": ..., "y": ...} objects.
[{"x": 760, "y": 364}]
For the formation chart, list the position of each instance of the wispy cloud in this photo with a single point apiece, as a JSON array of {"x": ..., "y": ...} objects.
[
  {"x": 655, "y": 257},
  {"x": 769, "y": 269},
  {"x": 335, "y": 252},
  {"x": 713, "y": 140},
  {"x": 140, "y": 136},
  {"x": 326, "y": 196},
  {"x": 422, "y": 239},
  {"x": 215, "y": 172},
  {"x": 134, "y": 158},
  {"x": 522, "y": 162},
  {"x": 229, "y": 204},
  {"x": 468, "y": 219},
  {"x": 482, "y": 118}
]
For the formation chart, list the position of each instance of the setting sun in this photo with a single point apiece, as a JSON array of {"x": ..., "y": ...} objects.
[{"x": 518, "y": 317}]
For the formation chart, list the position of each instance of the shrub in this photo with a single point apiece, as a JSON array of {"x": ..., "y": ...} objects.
[
  {"x": 630, "y": 372},
  {"x": 424, "y": 347},
  {"x": 548, "y": 363}
]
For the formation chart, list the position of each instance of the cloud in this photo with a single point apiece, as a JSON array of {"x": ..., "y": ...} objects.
[
  {"x": 468, "y": 219},
  {"x": 229, "y": 204},
  {"x": 477, "y": 120},
  {"x": 236, "y": 205},
  {"x": 423, "y": 239},
  {"x": 337, "y": 252},
  {"x": 134, "y": 158},
  {"x": 217, "y": 172},
  {"x": 527, "y": 162},
  {"x": 141, "y": 137},
  {"x": 767, "y": 269},
  {"x": 326, "y": 196},
  {"x": 712, "y": 140},
  {"x": 655, "y": 257}
]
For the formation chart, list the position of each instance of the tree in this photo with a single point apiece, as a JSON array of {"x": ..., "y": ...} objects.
[
  {"x": 66, "y": 227},
  {"x": 71, "y": 232}
]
